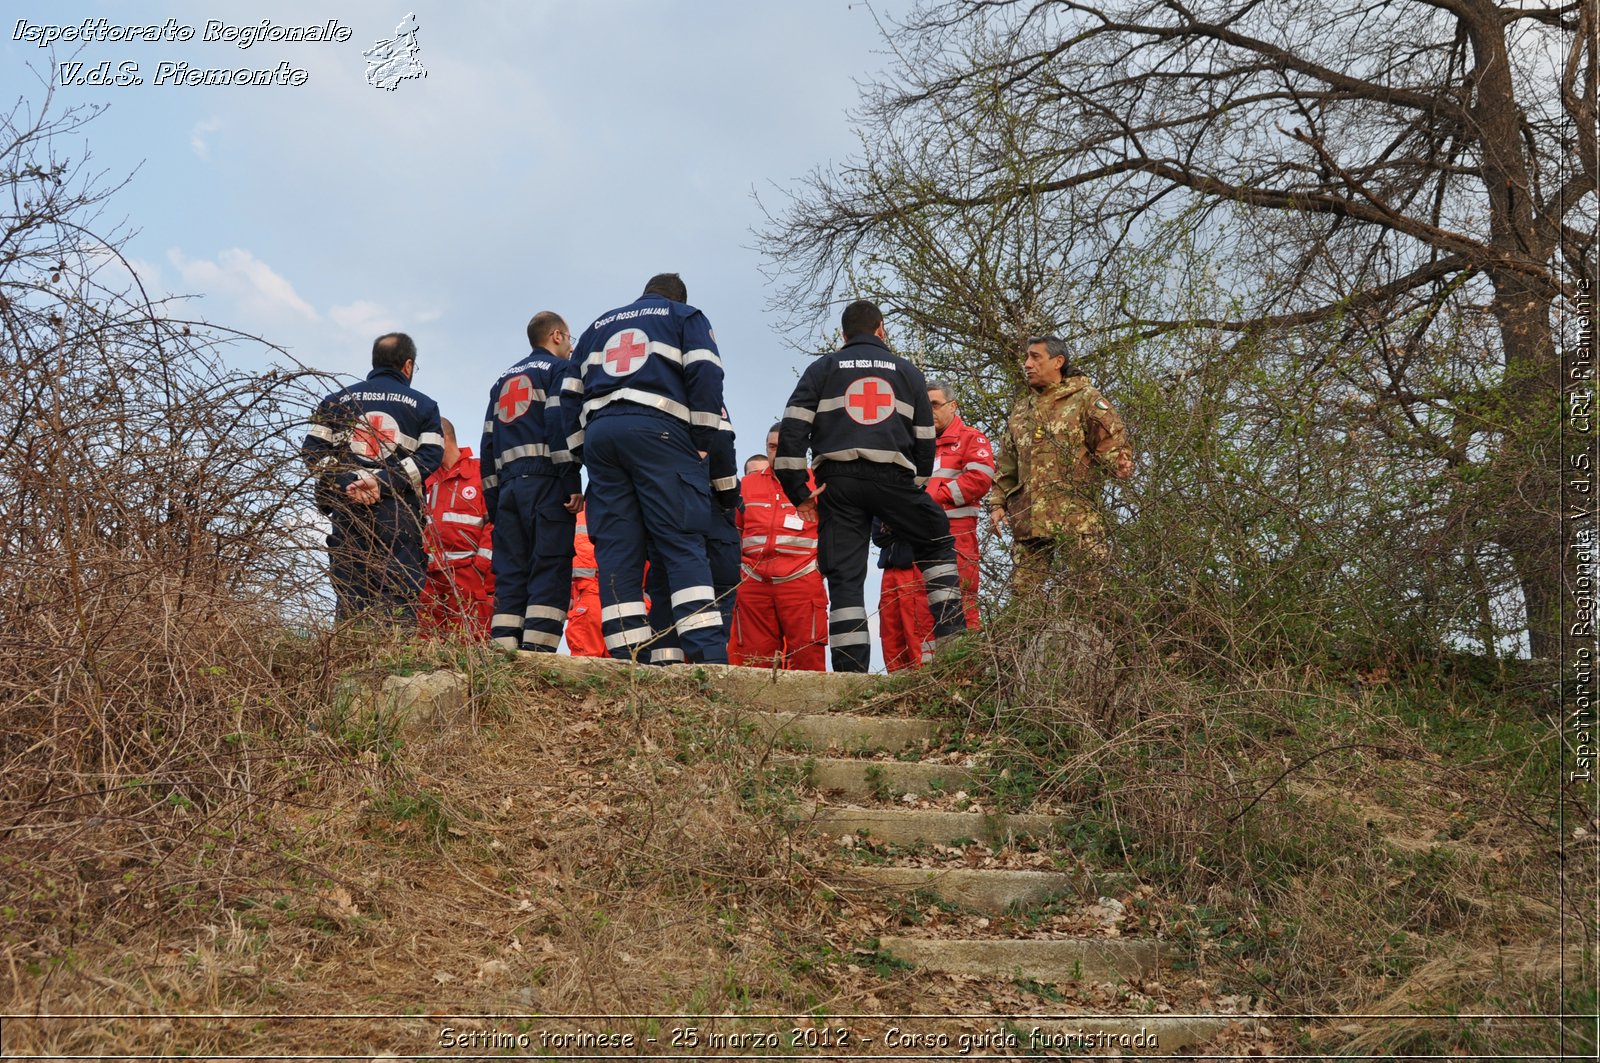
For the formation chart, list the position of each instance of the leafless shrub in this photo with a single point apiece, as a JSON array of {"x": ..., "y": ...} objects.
[{"x": 154, "y": 564}]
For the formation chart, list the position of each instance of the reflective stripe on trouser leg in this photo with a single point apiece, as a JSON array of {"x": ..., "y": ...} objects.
[
  {"x": 671, "y": 506},
  {"x": 663, "y": 647},
  {"x": 843, "y": 541},
  {"x": 849, "y": 639},
  {"x": 550, "y": 568},
  {"x": 541, "y": 628},
  {"x": 625, "y": 627},
  {"x": 944, "y": 597},
  {"x": 612, "y": 507}
]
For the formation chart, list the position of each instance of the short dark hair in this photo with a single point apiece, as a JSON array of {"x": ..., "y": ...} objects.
[
  {"x": 754, "y": 457},
  {"x": 777, "y": 426},
  {"x": 860, "y": 318},
  {"x": 668, "y": 284},
  {"x": 542, "y": 324},
  {"x": 393, "y": 350},
  {"x": 447, "y": 428}
]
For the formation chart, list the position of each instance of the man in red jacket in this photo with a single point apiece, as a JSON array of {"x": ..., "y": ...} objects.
[
  {"x": 458, "y": 597},
  {"x": 780, "y": 615},
  {"x": 963, "y": 472}
]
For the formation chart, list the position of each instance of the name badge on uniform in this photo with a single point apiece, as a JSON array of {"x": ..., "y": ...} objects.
[{"x": 793, "y": 522}]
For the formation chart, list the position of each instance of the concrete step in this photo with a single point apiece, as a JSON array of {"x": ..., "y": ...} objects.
[
  {"x": 911, "y": 826},
  {"x": 1042, "y": 959},
  {"x": 779, "y": 690},
  {"x": 993, "y": 890},
  {"x": 835, "y": 730},
  {"x": 1136, "y": 1035},
  {"x": 875, "y": 778}
]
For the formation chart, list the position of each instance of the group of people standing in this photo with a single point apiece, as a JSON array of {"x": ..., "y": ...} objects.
[{"x": 690, "y": 563}]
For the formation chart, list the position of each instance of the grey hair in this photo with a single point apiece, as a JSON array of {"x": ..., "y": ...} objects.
[
  {"x": 1054, "y": 346},
  {"x": 943, "y": 387}
]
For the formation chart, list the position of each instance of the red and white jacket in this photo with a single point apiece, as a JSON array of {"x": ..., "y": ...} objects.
[
  {"x": 458, "y": 533},
  {"x": 963, "y": 471},
  {"x": 775, "y": 544}
]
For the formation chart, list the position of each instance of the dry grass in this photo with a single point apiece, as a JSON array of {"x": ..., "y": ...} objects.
[{"x": 1318, "y": 840}]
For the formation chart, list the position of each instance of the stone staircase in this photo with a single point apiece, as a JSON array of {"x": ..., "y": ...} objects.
[
  {"x": 858, "y": 803},
  {"x": 855, "y": 771}
]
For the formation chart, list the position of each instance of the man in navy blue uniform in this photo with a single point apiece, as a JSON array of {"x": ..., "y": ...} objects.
[
  {"x": 371, "y": 447},
  {"x": 721, "y": 548},
  {"x": 531, "y": 489},
  {"x": 651, "y": 412},
  {"x": 863, "y": 412}
]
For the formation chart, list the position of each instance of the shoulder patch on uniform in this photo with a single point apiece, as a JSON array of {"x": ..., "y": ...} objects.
[{"x": 1100, "y": 404}]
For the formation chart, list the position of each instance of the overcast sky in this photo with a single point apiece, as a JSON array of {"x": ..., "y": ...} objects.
[{"x": 555, "y": 156}]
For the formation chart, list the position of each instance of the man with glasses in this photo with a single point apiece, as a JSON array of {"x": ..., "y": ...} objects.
[
  {"x": 531, "y": 490},
  {"x": 1062, "y": 439}
]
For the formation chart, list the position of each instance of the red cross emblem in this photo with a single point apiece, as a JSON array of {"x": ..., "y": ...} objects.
[
  {"x": 376, "y": 437},
  {"x": 626, "y": 352},
  {"x": 469, "y": 492},
  {"x": 869, "y": 400},
  {"x": 515, "y": 395}
]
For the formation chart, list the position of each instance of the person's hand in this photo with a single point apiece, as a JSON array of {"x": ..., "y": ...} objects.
[
  {"x": 808, "y": 508},
  {"x": 364, "y": 491},
  {"x": 997, "y": 517},
  {"x": 573, "y": 504},
  {"x": 1124, "y": 467}
]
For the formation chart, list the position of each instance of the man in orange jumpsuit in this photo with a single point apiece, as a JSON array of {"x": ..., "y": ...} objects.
[
  {"x": 780, "y": 615},
  {"x": 458, "y": 597},
  {"x": 583, "y": 615}
]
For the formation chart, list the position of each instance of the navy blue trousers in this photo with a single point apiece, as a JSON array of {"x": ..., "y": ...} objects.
[
  {"x": 722, "y": 553},
  {"x": 532, "y": 564},
  {"x": 376, "y": 559},
  {"x": 649, "y": 490},
  {"x": 845, "y": 513}
]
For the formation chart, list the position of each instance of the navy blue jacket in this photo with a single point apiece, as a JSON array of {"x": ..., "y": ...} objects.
[
  {"x": 381, "y": 427},
  {"x": 862, "y": 410},
  {"x": 654, "y": 353},
  {"x": 528, "y": 430}
]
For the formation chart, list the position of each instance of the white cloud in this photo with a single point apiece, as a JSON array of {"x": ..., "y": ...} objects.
[
  {"x": 198, "y": 134},
  {"x": 254, "y": 285},
  {"x": 363, "y": 318}
]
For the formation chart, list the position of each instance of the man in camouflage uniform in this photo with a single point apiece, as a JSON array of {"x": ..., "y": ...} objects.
[{"x": 1062, "y": 438}]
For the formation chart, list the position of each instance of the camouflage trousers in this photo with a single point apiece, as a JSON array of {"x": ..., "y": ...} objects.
[{"x": 1051, "y": 566}]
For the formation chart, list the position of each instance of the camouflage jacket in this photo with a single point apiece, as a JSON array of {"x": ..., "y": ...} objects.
[{"x": 1057, "y": 447}]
